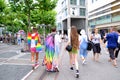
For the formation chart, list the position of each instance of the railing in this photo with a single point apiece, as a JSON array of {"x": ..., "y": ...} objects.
[
  {"x": 103, "y": 21},
  {"x": 116, "y": 18}
]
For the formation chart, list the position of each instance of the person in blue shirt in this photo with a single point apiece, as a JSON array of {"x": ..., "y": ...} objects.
[{"x": 112, "y": 38}]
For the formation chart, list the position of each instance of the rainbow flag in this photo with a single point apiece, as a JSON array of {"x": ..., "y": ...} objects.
[
  {"x": 29, "y": 38},
  {"x": 38, "y": 47},
  {"x": 49, "y": 52}
]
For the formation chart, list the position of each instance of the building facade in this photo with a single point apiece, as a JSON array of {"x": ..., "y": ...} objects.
[
  {"x": 103, "y": 14},
  {"x": 71, "y": 12}
]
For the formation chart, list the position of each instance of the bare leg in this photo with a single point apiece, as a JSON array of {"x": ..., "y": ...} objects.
[
  {"x": 71, "y": 61},
  {"x": 75, "y": 61},
  {"x": 97, "y": 57},
  {"x": 76, "y": 65},
  {"x": 94, "y": 54},
  {"x": 32, "y": 56},
  {"x": 114, "y": 62},
  {"x": 37, "y": 56}
]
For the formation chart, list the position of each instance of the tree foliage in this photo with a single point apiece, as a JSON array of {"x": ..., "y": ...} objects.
[
  {"x": 21, "y": 14},
  {"x": 2, "y": 5}
]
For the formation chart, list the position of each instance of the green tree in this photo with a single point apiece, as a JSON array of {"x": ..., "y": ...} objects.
[
  {"x": 2, "y": 7},
  {"x": 21, "y": 14}
]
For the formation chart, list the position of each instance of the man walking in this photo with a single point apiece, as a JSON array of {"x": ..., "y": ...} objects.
[{"x": 112, "y": 38}]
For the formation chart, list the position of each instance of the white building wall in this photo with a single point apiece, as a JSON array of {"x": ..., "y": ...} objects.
[
  {"x": 97, "y": 3},
  {"x": 65, "y": 10},
  {"x": 97, "y": 18}
]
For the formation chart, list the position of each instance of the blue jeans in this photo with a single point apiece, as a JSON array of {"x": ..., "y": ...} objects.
[
  {"x": 19, "y": 41},
  {"x": 83, "y": 52}
]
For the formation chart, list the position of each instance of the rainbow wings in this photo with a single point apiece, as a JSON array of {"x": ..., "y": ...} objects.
[{"x": 49, "y": 52}]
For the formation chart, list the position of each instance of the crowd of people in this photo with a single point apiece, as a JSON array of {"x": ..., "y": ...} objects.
[
  {"x": 78, "y": 42},
  {"x": 79, "y": 45},
  {"x": 12, "y": 38}
]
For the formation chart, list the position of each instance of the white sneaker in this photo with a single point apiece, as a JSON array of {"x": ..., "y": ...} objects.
[{"x": 84, "y": 61}]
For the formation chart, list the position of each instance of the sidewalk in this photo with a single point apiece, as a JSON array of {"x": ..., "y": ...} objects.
[
  {"x": 18, "y": 65},
  {"x": 91, "y": 71}
]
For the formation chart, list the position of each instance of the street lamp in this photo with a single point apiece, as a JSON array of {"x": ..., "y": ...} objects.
[{"x": 43, "y": 26}]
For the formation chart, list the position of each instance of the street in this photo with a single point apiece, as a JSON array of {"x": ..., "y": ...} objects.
[{"x": 15, "y": 65}]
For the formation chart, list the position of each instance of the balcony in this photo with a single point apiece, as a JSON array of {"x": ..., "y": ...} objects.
[
  {"x": 116, "y": 18},
  {"x": 103, "y": 21}
]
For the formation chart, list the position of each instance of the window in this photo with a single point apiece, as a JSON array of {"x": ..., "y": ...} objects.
[
  {"x": 73, "y": 2},
  {"x": 82, "y": 2},
  {"x": 82, "y": 11},
  {"x": 62, "y": 3},
  {"x": 92, "y": 1},
  {"x": 108, "y": 16},
  {"x": 66, "y": 12},
  {"x": 73, "y": 11}
]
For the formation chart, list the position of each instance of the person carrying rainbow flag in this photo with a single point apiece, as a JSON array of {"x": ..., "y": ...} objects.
[
  {"x": 52, "y": 51},
  {"x": 35, "y": 45}
]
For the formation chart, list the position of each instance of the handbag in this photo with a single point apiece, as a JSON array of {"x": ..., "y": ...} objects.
[
  {"x": 90, "y": 45},
  {"x": 69, "y": 48}
]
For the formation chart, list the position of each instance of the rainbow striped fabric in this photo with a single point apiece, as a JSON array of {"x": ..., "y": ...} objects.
[
  {"x": 37, "y": 41},
  {"x": 49, "y": 52},
  {"x": 29, "y": 38},
  {"x": 38, "y": 47}
]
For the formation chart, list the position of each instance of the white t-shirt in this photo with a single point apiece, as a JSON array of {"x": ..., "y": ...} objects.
[
  {"x": 83, "y": 37},
  {"x": 33, "y": 41},
  {"x": 119, "y": 39},
  {"x": 57, "y": 39},
  {"x": 96, "y": 38}
]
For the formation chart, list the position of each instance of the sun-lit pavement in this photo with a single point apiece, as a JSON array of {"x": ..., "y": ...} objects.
[{"x": 17, "y": 66}]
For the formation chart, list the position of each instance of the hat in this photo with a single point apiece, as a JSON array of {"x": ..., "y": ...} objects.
[{"x": 82, "y": 32}]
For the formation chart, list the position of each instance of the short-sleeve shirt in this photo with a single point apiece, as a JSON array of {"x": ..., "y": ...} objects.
[{"x": 96, "y": 38}]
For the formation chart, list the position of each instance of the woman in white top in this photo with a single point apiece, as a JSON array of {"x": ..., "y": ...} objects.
[
  {"x": 96, "y": 39},
  {"x": 57, "y": 41},
  {"x": 83, "y": 45}
]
